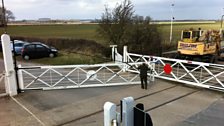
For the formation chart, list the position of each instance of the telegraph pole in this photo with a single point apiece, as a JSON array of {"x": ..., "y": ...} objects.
[
  {"x": 3, "y": 17},
  {"x": 171, "y": 23}
]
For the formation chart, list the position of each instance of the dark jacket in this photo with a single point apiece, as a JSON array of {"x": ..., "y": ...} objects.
[{"x": 143, "y": 70}]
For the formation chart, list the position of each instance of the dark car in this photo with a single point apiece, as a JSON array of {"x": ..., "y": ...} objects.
[{"x": 38, "y": 50}]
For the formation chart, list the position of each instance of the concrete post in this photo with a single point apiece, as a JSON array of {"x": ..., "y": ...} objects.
[
  {"x": 10, "y": 84},
  {"x": 128, "y": 111},
  {"x": 109, "y": 113}
]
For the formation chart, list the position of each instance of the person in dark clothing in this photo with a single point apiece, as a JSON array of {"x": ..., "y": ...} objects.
[{"x": 143, "y": 75}]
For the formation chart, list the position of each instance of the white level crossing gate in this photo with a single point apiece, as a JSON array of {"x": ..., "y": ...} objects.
[
  {"x": 75, "y": 76},
  {"x": 199, "y": 74}
]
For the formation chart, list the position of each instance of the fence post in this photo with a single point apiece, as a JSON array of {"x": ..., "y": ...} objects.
[
  {"x": 153, "y": 69},
  {"x": 20, "y": 77},
  {"x": 10, "y": 84},
  {"x": 125, "y": 57},
  {"x": 113, "y": 52},
  {"x": 109, "y": 113},
  {"x": 128, "y": 111}
]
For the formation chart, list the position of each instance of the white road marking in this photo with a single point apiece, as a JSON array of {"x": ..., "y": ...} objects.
[{"x": 29, "y": 112}]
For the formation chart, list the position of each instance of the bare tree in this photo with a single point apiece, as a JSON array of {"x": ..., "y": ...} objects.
[
  {"x": 121, "y": 27},
  {"x": 113, "y": 24},
  {"x": 143, "y": 37},
  {"x": 9, "y": 16}
]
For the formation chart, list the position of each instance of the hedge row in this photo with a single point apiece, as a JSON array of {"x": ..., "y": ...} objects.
[{"x": 88, "y": 47}]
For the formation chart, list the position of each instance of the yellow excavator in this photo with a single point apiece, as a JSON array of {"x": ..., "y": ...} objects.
[{"x": 200, "y": 45}]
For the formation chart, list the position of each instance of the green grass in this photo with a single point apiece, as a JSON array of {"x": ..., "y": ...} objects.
[
  {"x": 68, "y": 59},
  {"x": 84, "y": 31}
]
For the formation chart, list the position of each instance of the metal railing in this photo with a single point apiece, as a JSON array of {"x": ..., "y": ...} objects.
[
  {"x": 75, "y": 76},
  {"x": 199, "y": 74}
]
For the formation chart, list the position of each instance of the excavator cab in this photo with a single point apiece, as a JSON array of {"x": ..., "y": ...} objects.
[{"x": 191, "y": 35}]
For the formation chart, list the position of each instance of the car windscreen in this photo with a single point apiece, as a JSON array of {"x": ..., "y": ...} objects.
[{"x": 45, "y": 45}]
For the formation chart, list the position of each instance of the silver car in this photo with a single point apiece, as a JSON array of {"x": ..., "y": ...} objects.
[{"x": 18, "y": 46}]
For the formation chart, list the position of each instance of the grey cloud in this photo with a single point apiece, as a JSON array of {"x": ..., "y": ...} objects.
[
  {"x": 157, "y": 9},
  {"x": 189, "y": 9}
]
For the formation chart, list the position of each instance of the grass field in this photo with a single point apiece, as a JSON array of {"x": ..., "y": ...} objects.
[
  {"x": 88, "y": 31},
  {"x": 84, "y": 31}
]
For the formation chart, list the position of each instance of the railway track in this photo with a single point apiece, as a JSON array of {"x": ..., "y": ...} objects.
[{"x": 152, "y": 102}]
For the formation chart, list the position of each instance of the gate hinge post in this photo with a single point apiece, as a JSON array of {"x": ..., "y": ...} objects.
[{"x": 10, "y": 81}]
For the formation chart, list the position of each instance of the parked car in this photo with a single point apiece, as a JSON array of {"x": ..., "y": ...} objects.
[
  {"x": 38, "y": 50},
  {"x": 18, "y": 46}
]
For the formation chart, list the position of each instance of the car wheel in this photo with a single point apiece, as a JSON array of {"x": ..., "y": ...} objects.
[
  {"x": 26, "y": 57},
  {"x": 51, "y": 55}
]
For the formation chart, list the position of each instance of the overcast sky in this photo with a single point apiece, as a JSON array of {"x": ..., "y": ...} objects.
[{"x": 93, "y": 9}]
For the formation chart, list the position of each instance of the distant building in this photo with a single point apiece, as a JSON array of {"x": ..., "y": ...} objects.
[{"x": 44, "y": 19}]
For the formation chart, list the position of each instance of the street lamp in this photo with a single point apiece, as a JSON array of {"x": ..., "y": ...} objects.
[
  {"x": 222, "y": 17},
  {"x": 171, "y": 23}
]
